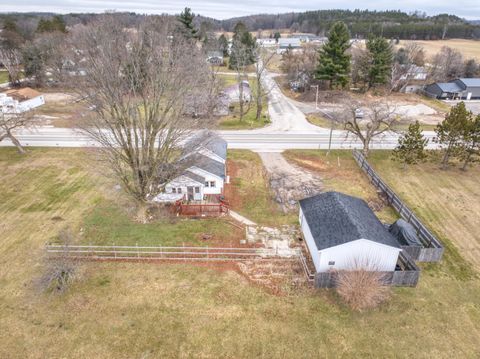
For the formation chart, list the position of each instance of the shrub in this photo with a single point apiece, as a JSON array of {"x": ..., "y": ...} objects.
[{"x": 362, "y": 289}]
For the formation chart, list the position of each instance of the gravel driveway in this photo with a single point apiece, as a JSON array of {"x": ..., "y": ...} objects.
[{"x": 290, "y": 183}]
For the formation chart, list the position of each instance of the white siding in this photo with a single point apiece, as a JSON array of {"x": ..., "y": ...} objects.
[
  {"x": 183, "y": 182},
  {"x": 307, "y": 234},
  {"x": 359, "y": 253},
  {"x": 218, "y": 189}
]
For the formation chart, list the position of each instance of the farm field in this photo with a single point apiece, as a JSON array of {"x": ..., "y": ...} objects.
[
  {"x": 125, "y": 310},
  {"x": 468, "y": 48}
]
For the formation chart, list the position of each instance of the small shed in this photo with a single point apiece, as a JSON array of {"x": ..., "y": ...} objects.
[{"x": 343, "y": 233}]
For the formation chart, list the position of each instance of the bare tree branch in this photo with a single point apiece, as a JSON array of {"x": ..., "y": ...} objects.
[{"x": 150, "y": 89}]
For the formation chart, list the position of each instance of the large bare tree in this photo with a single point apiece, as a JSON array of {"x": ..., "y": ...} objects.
[
  {"x": 262, "y": 59},
  {"x": 368, "y": 121},
  {"x": 149, "y": 88},
  {"x": 9, "y": 122},
  {"x": 11, "y": 58}
]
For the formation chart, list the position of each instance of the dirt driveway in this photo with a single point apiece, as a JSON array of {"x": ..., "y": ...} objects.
[{"x": 290, "y": 183}]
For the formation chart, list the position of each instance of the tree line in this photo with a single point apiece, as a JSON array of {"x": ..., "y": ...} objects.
[
  {"x": 363, "y": 23},
  {"x": 339, "y": 63}
]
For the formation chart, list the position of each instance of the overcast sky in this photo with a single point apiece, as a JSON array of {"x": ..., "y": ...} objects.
[{"x": 222, "y": 9}]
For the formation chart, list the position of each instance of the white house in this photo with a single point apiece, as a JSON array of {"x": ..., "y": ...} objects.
[
  {"x": 287, "y": 43},
  {"x": 206, "y": 172},
  {"x": 343, "y": 233},
  {"x": 20, "y": 100},
  {"x": 267, "y": 42},
  {"x": 232, "y": 93}
]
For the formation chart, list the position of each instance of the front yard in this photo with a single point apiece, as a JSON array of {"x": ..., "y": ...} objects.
[{"x": 125, "y": 310}]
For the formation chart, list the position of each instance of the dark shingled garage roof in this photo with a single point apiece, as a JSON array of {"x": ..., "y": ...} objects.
[{"x": 335, "y": 218}]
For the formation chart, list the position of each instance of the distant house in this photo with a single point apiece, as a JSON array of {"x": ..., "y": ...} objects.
[
  {"x": 306, "y": 38},
  {"x": 206, "y": 174},
  {"x": 267, "y": 42},
  {"x": 343, "y": 233},
  {"x": 232, "y": 93},
  {"x": 215, "y": 58},
  {"x": 285, "y": 44},
  {"x": 20, "y": 100},
  {"x": 461, "y": 89},
  {"x": 418, "y": 73}
]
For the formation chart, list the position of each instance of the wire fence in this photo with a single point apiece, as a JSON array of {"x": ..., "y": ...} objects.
[
  {"x": 432, "y": 250},
  {"x": 202, "y": 253}
]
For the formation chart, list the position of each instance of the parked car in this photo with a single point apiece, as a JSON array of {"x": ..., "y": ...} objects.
[{"x": 359, "y": 113}]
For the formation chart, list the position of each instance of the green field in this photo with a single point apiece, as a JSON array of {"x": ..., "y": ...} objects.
[
  {"x": 3, "y": 77},
  {"x": 132, "y": 310}
]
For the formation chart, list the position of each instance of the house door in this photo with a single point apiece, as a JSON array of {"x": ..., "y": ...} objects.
[
  {"x": 469, "y": 96},
  {"x": 190, "y": 193}
]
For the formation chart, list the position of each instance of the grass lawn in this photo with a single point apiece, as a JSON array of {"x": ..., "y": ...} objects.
[
  {"x": 3, "y": 77},
  {"x": 109, "y": 225},
  {"x": 320, "y": 121},
  {"x": 339, "y": 172},
  {"x": 249, "y": 192},
  {"x": 132, "y": 310},
  {"x": 233, "y": 122},
  {"x": 448, "y": 201}
]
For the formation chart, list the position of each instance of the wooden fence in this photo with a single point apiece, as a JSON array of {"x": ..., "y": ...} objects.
[
  {"x": 136, "y": 253},
  {"x": 202, "y": 210},
  {"x": 406, "y": 275},
  {"x": 432, "y": 250}
]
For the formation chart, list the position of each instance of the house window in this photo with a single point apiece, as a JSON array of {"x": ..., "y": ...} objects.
[
  {"x": 206, "y": 184},
  {"x": 331, "y": 263},
  {"x": 212, "y": 184},
  {"x": 197, "y": 189},
  {"x": 174, "y": 190},
  {"x": 179, "y": 190}
]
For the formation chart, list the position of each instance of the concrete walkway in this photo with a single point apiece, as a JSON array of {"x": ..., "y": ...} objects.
[{"x": 241, "y": 219}]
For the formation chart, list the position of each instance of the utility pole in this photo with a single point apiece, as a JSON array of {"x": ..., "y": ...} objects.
[
  {"x": 316, "y": 96},
  {"x": 327, "y": 115}
]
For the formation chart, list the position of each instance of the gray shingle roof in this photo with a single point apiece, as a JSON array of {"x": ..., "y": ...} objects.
[
  {"x": 449, "y": 87},
  {"x": 471, "y": 82},
  {"x": 194, "y": 177},
  {"x": 335, "y": 218},
  {"x": 208, "y": 164},
  {"x": 209, "y": 140}
]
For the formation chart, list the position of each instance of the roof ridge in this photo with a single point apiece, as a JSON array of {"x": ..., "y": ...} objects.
[{"x": 337, "y": 196}]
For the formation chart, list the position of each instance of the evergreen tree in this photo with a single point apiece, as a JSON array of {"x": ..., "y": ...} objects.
[
  {"x": 451, "y": 132},
  {"x": 56, "y": 24},
  {"x": 471, "y": 139},
  {"x": 380, "y": 61},
  {"x": 334, "y": 61},
  {"x": 242, "y": 53},
  {"x": 276, "y": 36},
  {"x": 223, "y": 44},
  {"x": 411, "y": 146},
  {"x": 186, "y": 21}
]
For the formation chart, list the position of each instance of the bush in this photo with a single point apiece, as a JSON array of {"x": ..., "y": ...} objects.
[
  {"x": 60, "y": 271},
  {"x": 362, "y": 289}
]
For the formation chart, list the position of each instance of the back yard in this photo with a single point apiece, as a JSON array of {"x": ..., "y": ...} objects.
[{"x": 125, "y": 310}]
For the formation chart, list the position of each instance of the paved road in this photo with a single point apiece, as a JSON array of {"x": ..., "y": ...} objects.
[
  {"x": 289, "y": 130},
  {"x": 261, "y": 142}
]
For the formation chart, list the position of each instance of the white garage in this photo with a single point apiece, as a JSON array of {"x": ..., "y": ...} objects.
[{"x": 343, "y": 233}]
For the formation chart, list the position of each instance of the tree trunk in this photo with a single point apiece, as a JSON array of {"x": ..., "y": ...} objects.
[
  {"x": 240, "y": 98},
  {"x": 17, "y": 143},
  {"x": 259, "y": 108},
  {"x": 141, "y": 215},
  {"x": 467, "y": 161},
  {"x": 445, "y": 159},
  {"x": 366, "y": 148}
]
